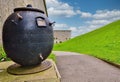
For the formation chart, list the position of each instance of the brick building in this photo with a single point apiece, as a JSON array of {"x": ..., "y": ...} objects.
[{"x": 61, "y": 35}]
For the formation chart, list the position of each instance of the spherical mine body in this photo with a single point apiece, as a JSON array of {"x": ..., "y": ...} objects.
[{"x": 27, "y": 36}]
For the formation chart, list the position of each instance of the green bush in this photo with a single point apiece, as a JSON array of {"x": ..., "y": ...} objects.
[
  {"x": 53, "y": 57},
  {"x": 3, "y": 56}
]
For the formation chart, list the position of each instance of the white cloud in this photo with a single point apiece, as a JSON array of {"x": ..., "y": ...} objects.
[
  {"x": 75, "y": 31},
  {"x": 103, "y": 17},
  {"x": 61, "y": 26},
  {"x": 73, "y": 28},
  {"x": 57, "y": 8},
  {"x": 100, "y": 14},
  {"x": 84, "y": 14},
  {"x": 106, "y": 14},
  {"x": 99, "y": 19},
  {"x": 97, "y": 22},
  {"x": 80, "y": 30},
  {"x": 92, "y": 24}
]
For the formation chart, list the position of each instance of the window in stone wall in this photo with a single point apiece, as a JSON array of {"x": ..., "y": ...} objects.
[
  {"x": 56, "y": 42},
  {"x": 60, "y": 41}
]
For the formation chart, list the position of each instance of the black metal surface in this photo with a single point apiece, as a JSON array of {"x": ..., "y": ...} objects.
[
  {"x": 24, "y": 41},
  {"x": 28, "y": 8}
]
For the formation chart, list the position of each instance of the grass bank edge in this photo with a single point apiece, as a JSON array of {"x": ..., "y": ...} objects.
[{"x": 102, "y": 43}]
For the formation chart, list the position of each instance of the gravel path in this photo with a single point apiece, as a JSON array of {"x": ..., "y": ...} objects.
[{"x": 74, "y": 67}]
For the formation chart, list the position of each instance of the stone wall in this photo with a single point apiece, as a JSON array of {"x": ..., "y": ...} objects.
[
  {"x": 7, "y": 6},
  {"x": 61, "y": 35}
]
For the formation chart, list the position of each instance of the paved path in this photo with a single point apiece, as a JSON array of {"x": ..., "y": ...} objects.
[{"x": 75, "y": 67}]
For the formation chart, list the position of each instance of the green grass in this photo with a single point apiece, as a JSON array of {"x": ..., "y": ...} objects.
[
  {"x": 3, "y": 56},
  {"x": 52, "y": 56},
  {"x": 102, "y": 43}
]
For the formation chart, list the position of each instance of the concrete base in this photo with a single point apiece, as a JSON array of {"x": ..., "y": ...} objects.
[
  {"x": 17, "y": 69},
  {"x": 50, "y": 75}
]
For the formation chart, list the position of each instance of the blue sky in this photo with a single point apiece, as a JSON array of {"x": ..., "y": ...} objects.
[{"x": 82, "y": 16}]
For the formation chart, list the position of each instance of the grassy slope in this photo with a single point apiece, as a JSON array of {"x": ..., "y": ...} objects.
[{"x": 102, "y": 43}]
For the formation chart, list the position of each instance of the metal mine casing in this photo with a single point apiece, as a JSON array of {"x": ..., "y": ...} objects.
[{"x": 27, "y": 36}]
